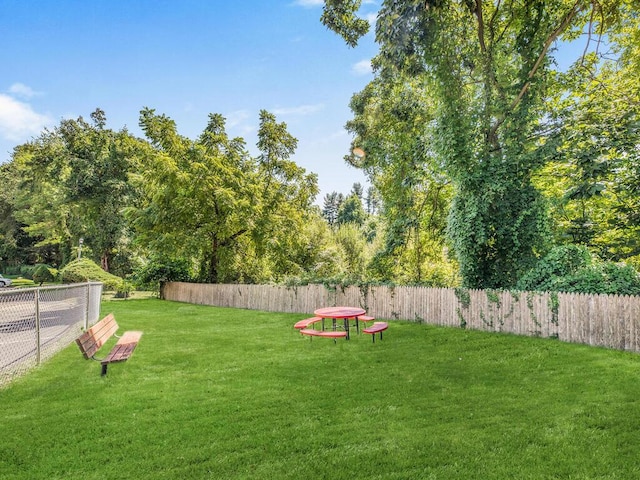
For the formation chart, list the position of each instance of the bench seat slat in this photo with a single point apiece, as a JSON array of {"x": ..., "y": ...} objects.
[
  {"x": 124, "y": 348},
  {"x": 306, "y": 322},
  {"x": 322, "y": 333},
  {"x": 376, "y": 327},
  {"x": 120, "y": 353}
]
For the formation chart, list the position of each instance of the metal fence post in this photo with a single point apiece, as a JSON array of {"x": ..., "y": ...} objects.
[{"x": 37, "y": 298}]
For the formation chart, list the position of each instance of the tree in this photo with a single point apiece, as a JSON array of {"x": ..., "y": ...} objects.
[
  {"x": 40, "y": 205},
  {"x": 73, "y": 184},
  {"x": 99, "y": 160},
  {"x": 372, "y": 201},
  {"x": 593, "y": 180},
  {"x": 332, "y": 202},
  {"x": 391, "y": 117},
  {"x": 357, "y": 190},
  {"x": 487, "y": 69},
  {"x": 209, "y": 200},
  {"x": 351, "y": 211},
  {"x": 12, "y": 248},
  {"x": 355, "y": 251}
]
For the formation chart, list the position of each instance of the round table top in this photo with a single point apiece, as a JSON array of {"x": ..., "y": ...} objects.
[{"x": 339, "y": 312}]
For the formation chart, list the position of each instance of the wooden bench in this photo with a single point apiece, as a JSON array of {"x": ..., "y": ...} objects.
[
  {"x": 322, "y": 333},
  {"x": 95, "y": 337},
  {"x": 377, "y": 327},
  {"x": 307, "y": 322}
]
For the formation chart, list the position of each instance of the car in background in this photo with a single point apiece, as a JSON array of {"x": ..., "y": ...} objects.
[{"x": 4, "y": 282}]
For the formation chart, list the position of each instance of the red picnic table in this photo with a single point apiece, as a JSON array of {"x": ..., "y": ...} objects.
[{"x": 340, "y": 312}]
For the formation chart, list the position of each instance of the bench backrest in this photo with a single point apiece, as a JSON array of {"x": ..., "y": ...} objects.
[{"x": 92, "y": 340}]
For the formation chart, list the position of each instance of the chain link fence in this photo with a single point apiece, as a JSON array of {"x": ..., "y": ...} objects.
[{"x": 36, "y": 323}]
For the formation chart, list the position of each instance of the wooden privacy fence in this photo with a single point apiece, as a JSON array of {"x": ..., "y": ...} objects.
[{"x": 601, "y": 320}]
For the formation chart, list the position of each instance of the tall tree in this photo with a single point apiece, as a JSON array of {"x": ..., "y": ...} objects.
[
  {"x": 357, "y": 190},
  {"x": 372, "y": 201},
  {"x": 98, "y": 182},
  {"x": 40, "y": 203},
  {"x": 486, "y": 65},
  {"x": 73, "y": 184},
  {"x": 211, "y": 201},
  {"x": 331, "y": 205},
  {"x": 391, "y": 123},
  {"x": 351, "y": 211},
  {"x": 597, "y": 160}
]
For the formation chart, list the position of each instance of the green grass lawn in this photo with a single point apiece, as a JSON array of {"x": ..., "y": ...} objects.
[{"x": 236, "y": 394}]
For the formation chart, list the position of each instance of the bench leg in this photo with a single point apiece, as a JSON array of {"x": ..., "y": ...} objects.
[{"x": 104, "y": 369}]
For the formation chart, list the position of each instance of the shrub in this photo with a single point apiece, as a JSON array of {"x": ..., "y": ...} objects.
[
  {"x": 162, "y": 270},
  {"x": 43, "y": 273},
  {"x": 571, "y": 268},
  {"x": 22, "y": 282},
  {"x": 84, "y": 270}
]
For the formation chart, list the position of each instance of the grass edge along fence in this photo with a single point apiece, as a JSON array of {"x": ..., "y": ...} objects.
[
  {"x": 611, "y": 321},
  {"x": 36, "y": 323}
]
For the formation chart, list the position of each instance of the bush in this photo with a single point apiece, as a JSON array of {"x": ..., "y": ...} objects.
[
  {"x": 84, "y": 270},
  {"x": 43, "y": 273},
  {"x": 571, "y": 268},
  {"x": 162, "y": 270},
  {"x": 22, "y": 282}
]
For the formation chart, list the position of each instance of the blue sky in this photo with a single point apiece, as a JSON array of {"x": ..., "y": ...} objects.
[{"x": 186, "y": 59}]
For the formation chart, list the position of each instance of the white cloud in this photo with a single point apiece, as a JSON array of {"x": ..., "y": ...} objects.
[
  {"x": 308, "y": 3},
  {"x": 236, "y": 118},
  {"x": 240, "y": 123},
  {"x": 363, "y": 67},
  {"x": 18, "y": 120},
  {"x": 332, "y": 138},
  {"x": 299, "y": 110},
  {"x": 22, "y": 90}
]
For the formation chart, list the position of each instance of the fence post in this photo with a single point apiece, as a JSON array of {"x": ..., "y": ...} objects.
[
  {"x": 37, "y": 298},
  {"x": 87, "y": 298}
]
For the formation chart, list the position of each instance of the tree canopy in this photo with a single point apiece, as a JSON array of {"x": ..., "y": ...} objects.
[{"x": 487, "y": 73}]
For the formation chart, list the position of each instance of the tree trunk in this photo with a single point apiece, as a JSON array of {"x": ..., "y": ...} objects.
[
  {"x": 104, "y": 261},
  {"x": 212, "y": 270}
]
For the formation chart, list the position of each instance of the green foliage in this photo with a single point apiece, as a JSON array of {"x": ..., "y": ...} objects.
[
  {"x": 339, "y": 15},
  {"x": 43, "y": 273},
  {"x": 124, "y": 290},
  {"x": 85, "y": 270},
  {"x": 486, "y": 71},
  {"x": 391, "y": 120},
  {"x": 353, "y": 244},
  {"x": 210, "y": 202},
  {"x": 592, "y": 183},
  {"x": 70, "y": 183},
  {"x": 162, "y": 269},
  {"x": 572, "y": 268},
  {"x": 331, "y": 206},
  {"x": 351, "y": 211},
  {"x": 22, "y": 282}
]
